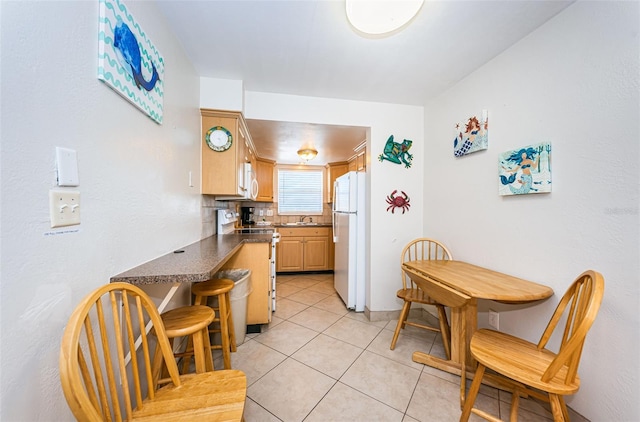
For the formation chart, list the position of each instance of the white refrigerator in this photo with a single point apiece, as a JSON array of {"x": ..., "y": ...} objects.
[{"x": 348, "y": 214}]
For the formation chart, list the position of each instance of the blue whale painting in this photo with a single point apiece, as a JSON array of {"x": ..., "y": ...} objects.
[{"x": 128, "y": 52}]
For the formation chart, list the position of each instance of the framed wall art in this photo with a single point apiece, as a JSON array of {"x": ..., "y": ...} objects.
[
  {"x": 128, "y": 62},
  {"x": 471, "y": 135},
  {"x": 525, "y": 170}
]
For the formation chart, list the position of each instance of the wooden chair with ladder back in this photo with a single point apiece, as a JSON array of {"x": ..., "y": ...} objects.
[
  {"x": 422, "y": 249},
  {"x": 529, "y": 369},
  {"x": 106, "y": 366}
]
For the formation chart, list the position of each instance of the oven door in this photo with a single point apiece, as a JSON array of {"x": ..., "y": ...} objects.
[{"x": 272, "y": 270}]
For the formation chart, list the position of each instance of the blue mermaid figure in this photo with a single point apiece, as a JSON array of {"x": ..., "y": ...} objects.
[
  {"x": 524, "y": 161},
  {"x": 128, "y": 52}
]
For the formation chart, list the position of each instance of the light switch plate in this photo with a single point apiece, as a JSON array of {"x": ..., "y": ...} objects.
[{"x": 64, "y": 208}]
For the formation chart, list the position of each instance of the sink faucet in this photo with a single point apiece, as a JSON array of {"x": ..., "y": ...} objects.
[{"x": 305, "y": 216}]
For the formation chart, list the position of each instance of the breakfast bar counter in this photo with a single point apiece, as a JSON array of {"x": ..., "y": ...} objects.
[{"x": 196, "y": 262}]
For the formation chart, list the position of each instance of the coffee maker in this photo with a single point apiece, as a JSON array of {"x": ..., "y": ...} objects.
[{"x": 246, "y": 215}]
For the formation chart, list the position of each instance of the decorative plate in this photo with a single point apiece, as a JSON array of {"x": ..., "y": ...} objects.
[{"x": 218, "y": 138}]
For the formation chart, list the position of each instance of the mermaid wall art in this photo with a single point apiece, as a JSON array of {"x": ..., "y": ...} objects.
[
  {"x": 472, "y": 135},
  {"x": 127, "y": 60},
  {"x": 525, "y": 170}
]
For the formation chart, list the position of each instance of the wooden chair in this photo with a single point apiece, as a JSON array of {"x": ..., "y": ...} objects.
[
  {"x": 104, "y": 377},
  {"x": 422, "y": 249},
  {"x": 192, "y": 322},
  {"x": 531, "y": 369},
  {"x": 219, "y": 288}
]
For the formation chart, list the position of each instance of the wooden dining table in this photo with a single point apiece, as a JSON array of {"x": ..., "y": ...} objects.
[{"x": 458, "y": 285}]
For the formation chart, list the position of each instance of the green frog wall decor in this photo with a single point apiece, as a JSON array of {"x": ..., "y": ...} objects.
[{"x": 396, "y": 152}]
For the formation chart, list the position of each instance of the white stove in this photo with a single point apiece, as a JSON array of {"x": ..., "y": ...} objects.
[{"x": 227, "y": 225}]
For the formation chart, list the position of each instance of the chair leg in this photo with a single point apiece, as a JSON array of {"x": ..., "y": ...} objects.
[
  {"x": 232, "y": 330},
  {"x": 401, "y": 320},
  {"x": 186, "y": 359},
  {"x": 515, "y": 402},
  {"x": 473, "y": 393},
  {"x": 565, "y": 412},
  {"x": 445, "y": 331},
  {"x": 198, "y": 349},
  {"x": 208, "y": 357},
  {"x": 556, "y": 408},
  {"x": 224, "y": 332},
  {"x": 158, "y": 368}
]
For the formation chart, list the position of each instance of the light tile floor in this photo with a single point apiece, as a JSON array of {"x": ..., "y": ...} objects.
[{"x": 318, "y": 361}]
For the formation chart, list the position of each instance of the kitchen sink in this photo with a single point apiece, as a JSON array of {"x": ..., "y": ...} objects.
[{"x": 300, "y": 224}]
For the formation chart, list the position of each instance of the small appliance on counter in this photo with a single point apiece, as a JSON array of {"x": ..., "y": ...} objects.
[{"x": 246, "y": 216}]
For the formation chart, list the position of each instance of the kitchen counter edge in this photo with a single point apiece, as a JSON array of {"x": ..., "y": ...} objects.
[{"x": 197, "y": 262}]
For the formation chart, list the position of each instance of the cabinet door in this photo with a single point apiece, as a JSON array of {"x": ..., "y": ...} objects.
[
  {"x": 220, "y": 169},
  {"x": 289, "y": 254},
  {"x": 333, "y": 172},
  {"x": 243, "y": 157},
  {"x": 316, "y": 256},
  {"x": 360, "y": 162},
  {"x": 255, "y": 257},
  {"x": 264, "y": 172}
]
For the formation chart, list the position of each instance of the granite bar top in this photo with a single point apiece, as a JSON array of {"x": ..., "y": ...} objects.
[
  {"x": 288, "y": 226},
  {"x": 199, "y": 261}
]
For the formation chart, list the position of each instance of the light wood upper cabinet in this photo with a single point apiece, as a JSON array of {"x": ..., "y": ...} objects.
[
  {"x": 264, "y": 173},
  {"x": 334, "y": 170},
  {"x": 359, "y": 161},
  {"x": 223, "y": 171}
]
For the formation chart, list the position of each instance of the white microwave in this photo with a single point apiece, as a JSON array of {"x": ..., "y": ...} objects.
[{"x": 248, "y": 185}]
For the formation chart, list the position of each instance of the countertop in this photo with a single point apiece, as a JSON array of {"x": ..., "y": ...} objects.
[
  {"x": 288, "y": 226},
  {"x": 199, "y": 261}
]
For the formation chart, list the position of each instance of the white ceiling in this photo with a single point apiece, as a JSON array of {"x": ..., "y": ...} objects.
[{"x": 308, "y": 48}]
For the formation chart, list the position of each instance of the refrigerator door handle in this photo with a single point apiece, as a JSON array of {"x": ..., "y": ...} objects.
[
  {"x": 333, "y": 212},
  {"x": 333, "y": 227}
]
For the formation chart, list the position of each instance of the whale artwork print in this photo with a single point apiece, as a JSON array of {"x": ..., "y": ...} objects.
[
  {"x": 128, "y": 52},
  {"x": 128, "y": 62}
]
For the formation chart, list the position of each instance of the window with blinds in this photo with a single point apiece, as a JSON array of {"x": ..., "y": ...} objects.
[{"x": 300, "y": 192}]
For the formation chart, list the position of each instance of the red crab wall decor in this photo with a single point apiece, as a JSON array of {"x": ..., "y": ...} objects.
[{"x": 398, "y": 202}]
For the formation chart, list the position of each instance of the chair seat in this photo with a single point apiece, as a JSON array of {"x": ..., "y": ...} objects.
[
  {"x": 521, "y": 360},
  {"x": 187, "y": 320},
  {"x": 212, "y": 396},
  {"x": 213, "y": 287},
  {"x": 415, "y": 295}
]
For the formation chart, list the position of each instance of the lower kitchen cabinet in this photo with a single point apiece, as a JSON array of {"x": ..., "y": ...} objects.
[
  {"x": 255, "y": 257},
  {"x": 303, "y": 249}
]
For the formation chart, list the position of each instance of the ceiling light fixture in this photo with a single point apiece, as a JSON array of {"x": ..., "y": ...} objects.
[
  {"x": 379, "y": 17},
  {"x": 307, "y": 154}
]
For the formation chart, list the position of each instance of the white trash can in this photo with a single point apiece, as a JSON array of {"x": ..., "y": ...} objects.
[{"x": 238, "y": 297}]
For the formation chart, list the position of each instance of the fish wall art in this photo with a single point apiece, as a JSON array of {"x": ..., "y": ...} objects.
[
  {"x": 471, "y": 135},
  {"x": 525, "y": 170},
  {"x": 128, "y": 62}
]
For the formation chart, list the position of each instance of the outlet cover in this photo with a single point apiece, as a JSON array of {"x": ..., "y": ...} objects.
[
  {"x": 67, "y": 167},
  {"x": 494, "y": 319},
  {"x": 64, "y": 208}
]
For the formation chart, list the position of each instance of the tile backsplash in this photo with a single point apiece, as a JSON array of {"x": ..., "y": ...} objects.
[{"x": 209, "y": 208}]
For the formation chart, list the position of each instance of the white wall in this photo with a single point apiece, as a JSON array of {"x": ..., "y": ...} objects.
[
  {"x": 135, "y": 199},
  {"x": 387, "y": 233},
  {"x": 573, "y": 82}
]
